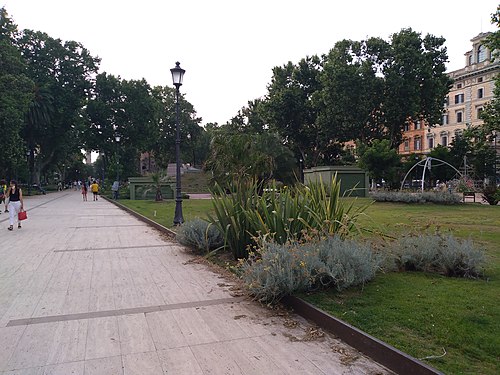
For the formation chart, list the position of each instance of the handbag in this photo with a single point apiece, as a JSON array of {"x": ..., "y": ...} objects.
[{"x": 22, "y": 215}]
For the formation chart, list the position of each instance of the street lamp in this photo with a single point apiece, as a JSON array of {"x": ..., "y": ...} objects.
[
  {"x": 117, "y": 139},
  {"x": 177, "y": 76},
  {"x": 116, "y": 185},
  {"x": 28, "y": 155}
]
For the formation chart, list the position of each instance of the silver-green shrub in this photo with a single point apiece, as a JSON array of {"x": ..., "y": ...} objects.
[
  {"x": 446, "y": 255},
  {"x": 200, "y": 235},
  {"x": 278, "y": 270},
  {"x": 438, "y": 197}
]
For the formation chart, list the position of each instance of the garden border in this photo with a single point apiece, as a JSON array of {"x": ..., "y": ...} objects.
[{"x": 379, "y": 351}]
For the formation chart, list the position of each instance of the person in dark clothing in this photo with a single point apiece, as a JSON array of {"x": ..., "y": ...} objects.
[{"x": 15, "y": 197}]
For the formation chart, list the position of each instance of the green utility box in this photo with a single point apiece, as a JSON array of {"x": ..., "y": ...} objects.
[
  {"x": 352, "y": 179},
  {"x": 139, "y": 185}
]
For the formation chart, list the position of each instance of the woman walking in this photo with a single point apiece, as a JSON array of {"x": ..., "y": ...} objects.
[
  {"x": 15, "y": 197},
  {"x": 84, "y": 191}
]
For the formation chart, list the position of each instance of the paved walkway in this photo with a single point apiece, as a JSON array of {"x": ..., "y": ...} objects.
[{"x": 87, "y": 289}]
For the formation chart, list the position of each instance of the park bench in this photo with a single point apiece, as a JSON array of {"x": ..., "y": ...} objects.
[{"x": 469, "y": 194}]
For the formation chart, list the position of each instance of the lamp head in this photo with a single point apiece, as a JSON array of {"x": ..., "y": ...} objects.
[{"x": 177, "y": 75}]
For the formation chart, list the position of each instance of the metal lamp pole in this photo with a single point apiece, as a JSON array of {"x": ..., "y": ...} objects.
[
  {"x": 28, "y": 154},
  {"x": 117, "y": 139},
  {"x": 177, "y": 76}
]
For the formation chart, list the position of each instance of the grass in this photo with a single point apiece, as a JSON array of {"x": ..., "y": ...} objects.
[
  {"x": 417, "y": 313},
  {"x": 421, "y": 314},
  {"x": 163, "y": 212}
]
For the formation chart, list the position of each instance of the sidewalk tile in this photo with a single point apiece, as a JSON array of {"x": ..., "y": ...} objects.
[
  {"x": 134, "y": 334},
  {"x": 103, "y": 338},
  {"x": 104, "y": 366},
  {"x": 179, "y": 361},
  {"x": 142, "y": 364}
]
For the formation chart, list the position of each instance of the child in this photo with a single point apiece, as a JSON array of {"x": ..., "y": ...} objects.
[{"x": 95, "y": 189}]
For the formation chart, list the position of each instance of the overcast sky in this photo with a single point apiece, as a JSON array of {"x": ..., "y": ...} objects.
[{"x": 229, "y": 47}]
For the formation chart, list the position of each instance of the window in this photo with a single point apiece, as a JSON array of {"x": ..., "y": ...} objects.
[
  {"x": 459, "y": 117},
  {"x": 444, "y": 140},
  {"x": 445, "y": 119},
  {"x": 416, "y": 143},
  {"x": 407, "y": 127},
  {"x": 459, "y": 98},
  {"x": 447, "y": 101},
  {"x": 479, "y": 111},
  {"x": 481, "y": 53},
  {"x": 480, "y": 93},
  {"x": 431, "y": 142},
  {"x": 480, "y": 79},
  {"x": 470, "y": 60},
  {"x": 417, "y": 125},
  {"x": 407, "y": 145},
  {"x": 459, "y": 85}
]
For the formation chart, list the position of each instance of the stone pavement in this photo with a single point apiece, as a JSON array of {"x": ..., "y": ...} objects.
[{"x": 87, "y": 289}]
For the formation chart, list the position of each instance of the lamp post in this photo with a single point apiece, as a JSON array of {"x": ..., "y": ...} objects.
[
  {"x": 496, "y": 156},
  {"x": 117, "y": 139},
  {"x": 177, "y": 76},
  {"x": 28, "y": 155},
  {"x": 116, "y": 185}
]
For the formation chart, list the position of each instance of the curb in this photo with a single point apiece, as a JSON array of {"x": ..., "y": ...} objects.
[
  {"x": 143, "y": 218},
  {"x": 379, "y": 351}
]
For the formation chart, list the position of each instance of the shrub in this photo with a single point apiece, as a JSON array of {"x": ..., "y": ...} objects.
[
  {"x": 441, "y": 254},
  {"x": 200, "y": 235},
  {"x": 281, "y": 214},
  {"x": 491, "y": 194},
  {"x": 439, "y": 197},
  {"x": 231, "y": 215},
  {"x": 277, "y": 270}
]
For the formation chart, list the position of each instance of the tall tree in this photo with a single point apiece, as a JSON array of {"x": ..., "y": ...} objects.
[
  {"x": 63, "y": 74},
  {"x": 350, "y": 100},
  {"x": 289, "y": 109},
  {"x": 163, "y": 148},
  {"x": 415, "y": 81},
  {"x": 15, "y": 96}
]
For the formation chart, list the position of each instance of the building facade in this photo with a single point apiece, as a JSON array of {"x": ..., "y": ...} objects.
[{"x": 472, "y": 88}]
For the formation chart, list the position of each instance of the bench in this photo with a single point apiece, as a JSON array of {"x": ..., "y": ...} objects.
[{"x": 469, "y": 194}]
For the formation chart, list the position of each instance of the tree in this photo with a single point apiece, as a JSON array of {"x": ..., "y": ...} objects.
[
  {"x": 236, "y": 156},
  {"x": 490, "y": 131},
  {"x": 415, "y": 81},
  {"x": 288, "y": 109},
  {"x": 15, "y": 96},
  {"x": 350, "y": 99},
  {"x": 63, "y": 74},
  {"x": 163, "y": 148},
  {"x": 380, "y": 160}
]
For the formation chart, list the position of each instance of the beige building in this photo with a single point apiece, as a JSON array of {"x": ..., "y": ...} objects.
[{"x": 472, "y": 89}]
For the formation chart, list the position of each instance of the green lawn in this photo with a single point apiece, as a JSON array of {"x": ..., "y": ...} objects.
[
  {"x": 417, "y": 313},
  {"x": 163, "y": 212},
  {"x": 421, "y": 314}
]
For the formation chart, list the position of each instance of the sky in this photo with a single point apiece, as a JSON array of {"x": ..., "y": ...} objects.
[{"x": 229, "y": 47}]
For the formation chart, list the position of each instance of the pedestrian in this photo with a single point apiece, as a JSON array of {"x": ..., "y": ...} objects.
[
  {"x": 115, "y": 188},
  {"x": 15, "y": 196},
  {"x": 3, "y": 191},
  {"x": 95, "y": 189},
  {"x": 84, "y": 191}
]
